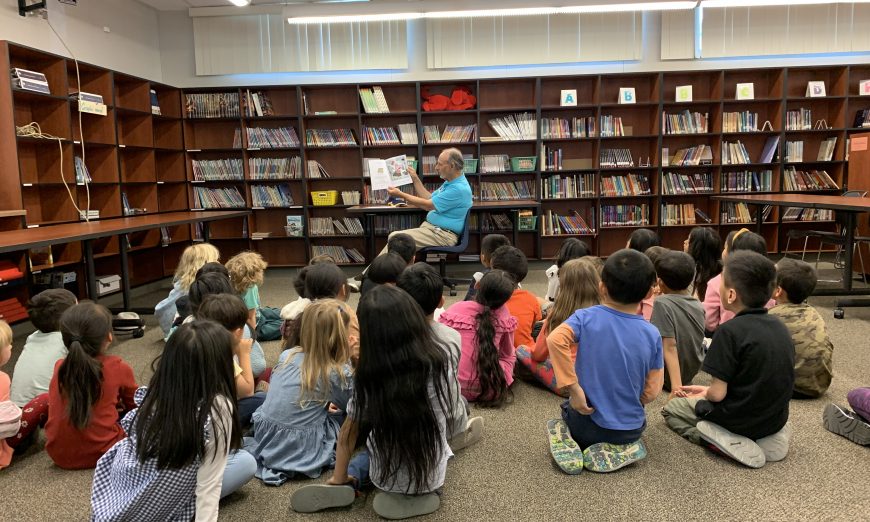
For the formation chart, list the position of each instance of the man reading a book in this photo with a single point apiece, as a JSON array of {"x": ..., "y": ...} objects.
[{"x": 447, "y": 206}]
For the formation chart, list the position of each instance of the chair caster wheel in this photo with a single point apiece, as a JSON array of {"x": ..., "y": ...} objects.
[{"x": 839, "y": 313}]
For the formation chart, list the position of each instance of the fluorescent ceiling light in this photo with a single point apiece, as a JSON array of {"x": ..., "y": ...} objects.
[
  {"x": 240, "y": 3},
  {"x": 525, "y": 11},
  {"x": 760, "y": 3}
]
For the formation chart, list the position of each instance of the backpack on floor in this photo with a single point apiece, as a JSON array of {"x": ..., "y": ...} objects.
[{"x": 10, "y": 419}]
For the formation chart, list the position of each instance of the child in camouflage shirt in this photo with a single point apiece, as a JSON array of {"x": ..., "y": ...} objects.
[{"x": 795, "y": 281}]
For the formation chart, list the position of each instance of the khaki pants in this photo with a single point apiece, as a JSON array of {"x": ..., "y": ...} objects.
[
  {"x": 427, "y": 235},
  {"x": 679, "y": 414}
]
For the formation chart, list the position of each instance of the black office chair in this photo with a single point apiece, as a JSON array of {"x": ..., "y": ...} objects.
[{"x": 458, "y": 248}]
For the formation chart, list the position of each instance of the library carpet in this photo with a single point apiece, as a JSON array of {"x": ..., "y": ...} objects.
[{"x": 510, "y": 474}]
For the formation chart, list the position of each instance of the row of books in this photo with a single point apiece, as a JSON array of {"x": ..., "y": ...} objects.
[
  {"x": 451, "y": 134},
  {"x": 576, "y": 186},
  {"x": 799, "y": 180},
  {"x": 490, "y": 191},
  {"x": 740, "y": 121},
  {"x": 614, "y": 158},
  {"x": 515, "y": 127},
  {"x": 685, "y": 122},
  {"x": 807, "y": 214},
  {"x": 329, "y": 137},
  {"x": 735, "y": 153},
  {"x": 406, "y": 135},
  {"x": 317, "y": 171},
  {"x": 625, "y": 185},
  {"x": 678, "y": 214},
  {"x": 801, "y": 119},
  {"x": 219, "y": 197},
  {"x": 562, "y": 128},
  {"x": 271, "y": 138},
  {"x": 373, "y": 100},
  {"x": 625, "y": 215},
  {"x": 384, "y": 224},
  {"x": 272, "y": 196},
  {"x": 83, "y": 175},
  {"x": 611, "y": 126},
  {"x": 327, "y": 226},
  {"x": 692, "y": 156},
  {"x": 338, "y": 253},
  {"x": 747, "y": 181},
  {"x": 551, "y": 159},
  {"x": 826, "y": 149},
  {"x": 275, "y": 168},
  {"x": 427, "y": 165},
  {"x": 490, "y": 222},
  {"x": 212, "y": 105},
  {"x": 554, "y": 224},
  {"x": 494, "y": 163},
  {"x": 862, "y": 118},
  {"x": 257, "y": 103},
  {"x": 381, "y": 197},
  {"x": 739, "y": 213},
  {"x": 676, "y": 183},
  {"x": 350, "y": 197},
  {"x": 794, "y": 151},
  {"x": 218, "y": 169}
]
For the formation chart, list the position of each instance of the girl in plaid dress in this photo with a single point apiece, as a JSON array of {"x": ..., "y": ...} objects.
[{"x": 179, "y": 457}]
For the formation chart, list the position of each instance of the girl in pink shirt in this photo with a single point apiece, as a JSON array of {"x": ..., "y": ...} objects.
[
  {"x": 715, "y": 313},
  {"x": 486, "y": 327}
]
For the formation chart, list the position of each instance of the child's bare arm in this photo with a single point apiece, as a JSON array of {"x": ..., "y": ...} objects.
[
  {"x": 653, "y": 385},
  {"x": 717, "y": 390},
  {"x": 343, "y": 449},
  {"x": 252, "y": 319},
  {"x": 244, "y": 380},
  {"x": 672, "y": 362}
]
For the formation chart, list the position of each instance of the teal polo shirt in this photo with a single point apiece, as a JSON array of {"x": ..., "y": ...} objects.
[{"x": 452, "y": 201}]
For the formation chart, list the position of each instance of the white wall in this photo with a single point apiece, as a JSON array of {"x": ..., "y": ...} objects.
[
  {"x": 177, "y": 54},
  {"x": 131, "y": 46}
]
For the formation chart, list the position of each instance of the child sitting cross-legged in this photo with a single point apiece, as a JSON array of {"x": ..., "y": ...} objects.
[
  {"x": 399, "y": 244},
  {"x": 425, "y": 285},
  {"x": 523, "y": 305},
  {"x": 88, "y": 390},
  {"x": 489, "y": 244},
  {"x": 571, "y": 248},
  {"x": 404, "y": 414},
  {"x": 618, "y": 369},
  {"x": 247, "y": 270},
  {"x": 178, "y": 458},
  {"x": 578, "y": 288},
  {"x": 679, "y": 318},
  {"x": 487, "y": 331},
  {"x": 296, "y": 428},
  {"x": 813, "y": 370},
  {"x": 744, "y": 411}
]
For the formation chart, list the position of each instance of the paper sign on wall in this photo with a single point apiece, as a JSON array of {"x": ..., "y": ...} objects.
[
  {"x": 816, "y": 89},
  {"x": 858, "y": 144},
  {"x": 745, "y": 91},
  {"x": 568, "y": 98},
  {"x": 627, "y": 95},
  {"x": 684, "y": 93},
  {"x": 864, "y": 87}
]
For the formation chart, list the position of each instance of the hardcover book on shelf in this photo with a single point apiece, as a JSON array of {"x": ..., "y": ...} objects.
[
  {"x": 294, "y": 227},
  {"x": 155, "y": 103},
  {"x": 770, "y": 150}
]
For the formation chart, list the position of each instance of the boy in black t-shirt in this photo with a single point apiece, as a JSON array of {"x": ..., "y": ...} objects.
[{"x": 744, "y": 411}]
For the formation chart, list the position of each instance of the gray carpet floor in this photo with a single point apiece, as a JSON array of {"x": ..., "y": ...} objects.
[{"x": 510, "y": 473}]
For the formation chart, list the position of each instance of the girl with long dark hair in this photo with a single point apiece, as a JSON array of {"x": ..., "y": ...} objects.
[
  {"x": 87, "y": 390},
  {"x": 177, "y": 460},
  {"x": 400, "y": 405},
  {"x": 704, "y": 245},
  {"x": 487, "y": 331}
]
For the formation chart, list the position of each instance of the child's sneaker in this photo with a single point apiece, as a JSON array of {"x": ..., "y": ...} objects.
[
  {"x": 394, "y": 506},
  {"x": 566, "y": 453},
  {"x": 742, "y": 449},
  {"x": 605, "y": 457},
  {"x": 847, "y": 424},
  {"x": 472, "y": 435},
  {"x": 775, "y": 446},
  {"x": 317, "y": 497}
]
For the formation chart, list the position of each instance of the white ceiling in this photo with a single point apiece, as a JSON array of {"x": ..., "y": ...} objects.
[{"x": 180, "y": 5}]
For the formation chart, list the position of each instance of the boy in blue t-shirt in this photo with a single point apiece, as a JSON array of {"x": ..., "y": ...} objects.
[{"x": 618, "y": 369}]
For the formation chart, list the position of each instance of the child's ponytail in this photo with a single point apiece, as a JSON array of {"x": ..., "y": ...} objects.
[
  {"x": 84, "y": 328},
  {"x": 494, "y": 291}
]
